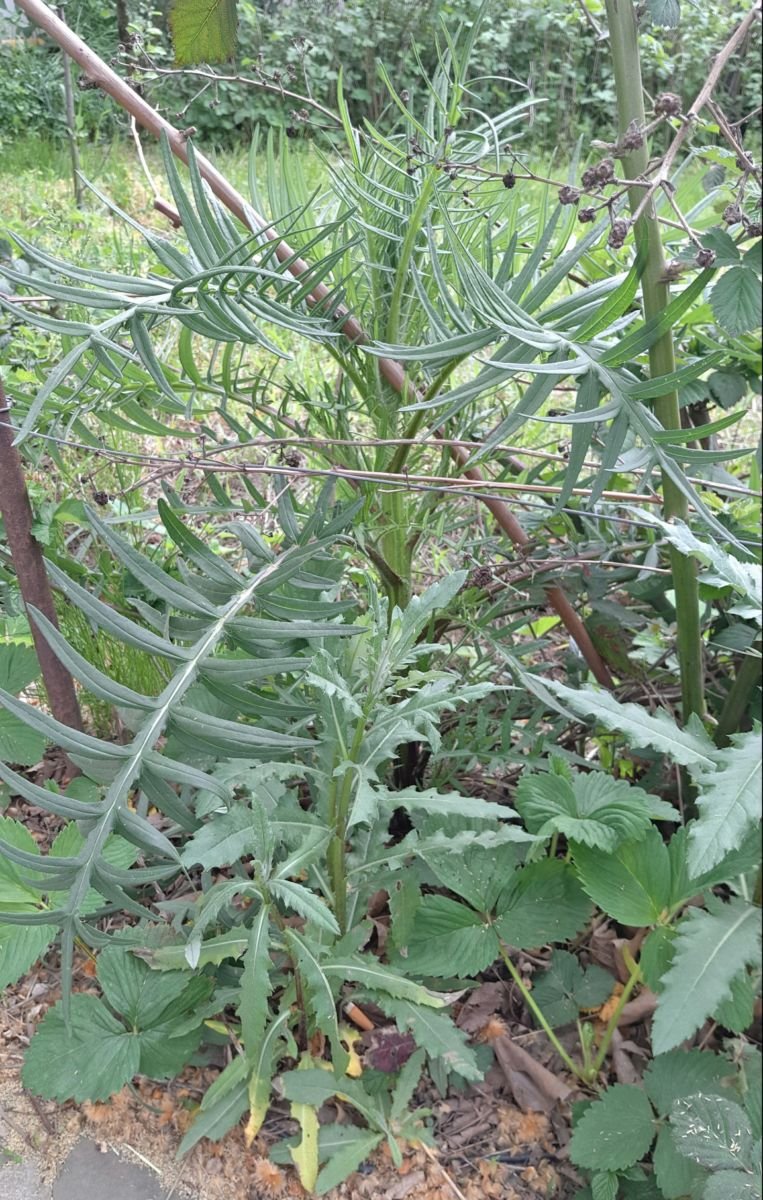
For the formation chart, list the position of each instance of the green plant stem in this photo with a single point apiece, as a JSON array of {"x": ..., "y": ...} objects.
[
  {"x": 626, "y": 61},
  {"x": 401, "y": 454},
  {"x": 735, "y": 704},
  {"x": 339, "y": 814},
  {"x": 406, "y": 254},
  {"x": 538, "y": 1013},
  {"x": 609, "y": 1032}
]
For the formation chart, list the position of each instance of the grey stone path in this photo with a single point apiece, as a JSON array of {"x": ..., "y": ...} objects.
[{"x": 87, "y": 1174}]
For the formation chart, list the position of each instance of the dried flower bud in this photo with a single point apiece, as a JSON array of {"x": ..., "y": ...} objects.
[
  {"x": 753, "y": 229},
  {"x": 732, "y": 214},
  {"x": 405, "y": 95},
  {"x": 673, "y": 271},
  {"x": 101, "y": 498},
  {"x": 618, "y": 233},
  {"x": 605, "y": 171},
  {"x": 509, "y": 180},
  {"x": 568, "y": 195},
  {"x": 589, "y": 177},
  {"x": 292, "y": 458},
  {"x": 480, "y": 577},
  {"x": 667, "y": 104},
  {"x": 632, "y": 139},
  {"x": 705, "y": 257},
  {"x": 291, "y": 132},
  {"x": 586, "y": 215}
]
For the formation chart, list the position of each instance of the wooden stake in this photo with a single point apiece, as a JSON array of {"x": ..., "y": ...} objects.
[{"x": 28, "y": 563}]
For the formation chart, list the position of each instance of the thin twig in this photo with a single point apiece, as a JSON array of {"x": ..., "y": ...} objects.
[
  {"x": 601, "y": 34},
  {"x": 245, "y": 81},
  {"x": 448, "y": 1178}
]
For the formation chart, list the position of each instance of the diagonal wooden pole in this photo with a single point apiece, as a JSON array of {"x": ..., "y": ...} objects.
[{"x": 393, "y": 372}]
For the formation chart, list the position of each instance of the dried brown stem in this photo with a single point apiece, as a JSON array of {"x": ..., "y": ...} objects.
[{"x": 29, "y": 565}]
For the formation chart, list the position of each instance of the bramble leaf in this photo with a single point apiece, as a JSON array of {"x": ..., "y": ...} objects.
[
  {"x": 590, "y": 808},
  {"x": 615, "y": 1131},
  {"x": 633, "y": 884},
  {"x": 203, "y": 30}
]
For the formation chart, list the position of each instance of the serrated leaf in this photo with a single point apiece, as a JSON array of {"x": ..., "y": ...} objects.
[
  {"x": 436, "y": 1033},
  {"x": 301, "y": 900},
  {"x": 203, "y": 30},
  {"x": 13, "y": 888},
  {"x": 344, "y": 1152},
  {"x": 478, "y": 872},
  {"x": 732, "y": 1185},
  {"x": 214, "y": 950},
  {"x": 304, "y": 1154},
  {"x": 656, "y": 956},
  {"x": 604, "y": 1185},
  {"x": 222, "y": 841},
  {"x": 711, "y": 947},
  {"x": 593, "y": 809},
  {"x": 714, "y": 1132},
  {"x": 564, "y": 988},
  {"x": 683, "y": 1073},
  {"x": 736, "y": 301},
  {"x": 729, "y": 802},
  {"x": 615, "y": 1131},
  {"x": 261, "y": 1061},
  {"x": 676, "y": 1176},
  {"x": 20, "y": 948},
  {"x": 255, "y": 983},
  {"x": 91, "y": 1058},
  {"x": 139, "y": 994},
  {"x": 633, "y": 884},
  {"x": 542, "y": 903},
  {"x": 18, "y": 743},
  {"x": 370, "y": 973},
  {"x": 665, "y": 13},
  {"x": 687, "y": 746},
  {"x": 737, "y": 1012},
  {"x": 319, "y": 995},
  {"x": 448, "y": 936},
  {"x": 316, "y": 1086},
  {"x": 18, "y": 667}
]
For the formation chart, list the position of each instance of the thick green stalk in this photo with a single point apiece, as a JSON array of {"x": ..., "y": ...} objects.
[
  {"x": 623, "y": 37},
  {"x": 340, "y": 799},
  {"x": 747, "y": 677}
]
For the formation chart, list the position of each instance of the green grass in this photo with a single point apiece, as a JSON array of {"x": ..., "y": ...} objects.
[{"x": 38, "y": 197}]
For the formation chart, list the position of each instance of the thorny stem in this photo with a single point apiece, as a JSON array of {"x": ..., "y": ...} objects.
[{"x": 340, "y": 796}]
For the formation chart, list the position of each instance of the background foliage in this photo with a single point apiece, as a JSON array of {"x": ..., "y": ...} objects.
[{"x": 547, "y": 51}]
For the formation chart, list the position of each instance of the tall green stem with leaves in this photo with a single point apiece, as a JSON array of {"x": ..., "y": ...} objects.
[{"x": 626, "y": 61}]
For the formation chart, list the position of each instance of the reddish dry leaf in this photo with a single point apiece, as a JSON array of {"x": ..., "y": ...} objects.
[{"x": 534, "y": 1086}]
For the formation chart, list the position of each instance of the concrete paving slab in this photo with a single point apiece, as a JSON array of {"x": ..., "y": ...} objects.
[
  {"x": 20, "y": 1181},
  {"x": 90, "y": 1174}
]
